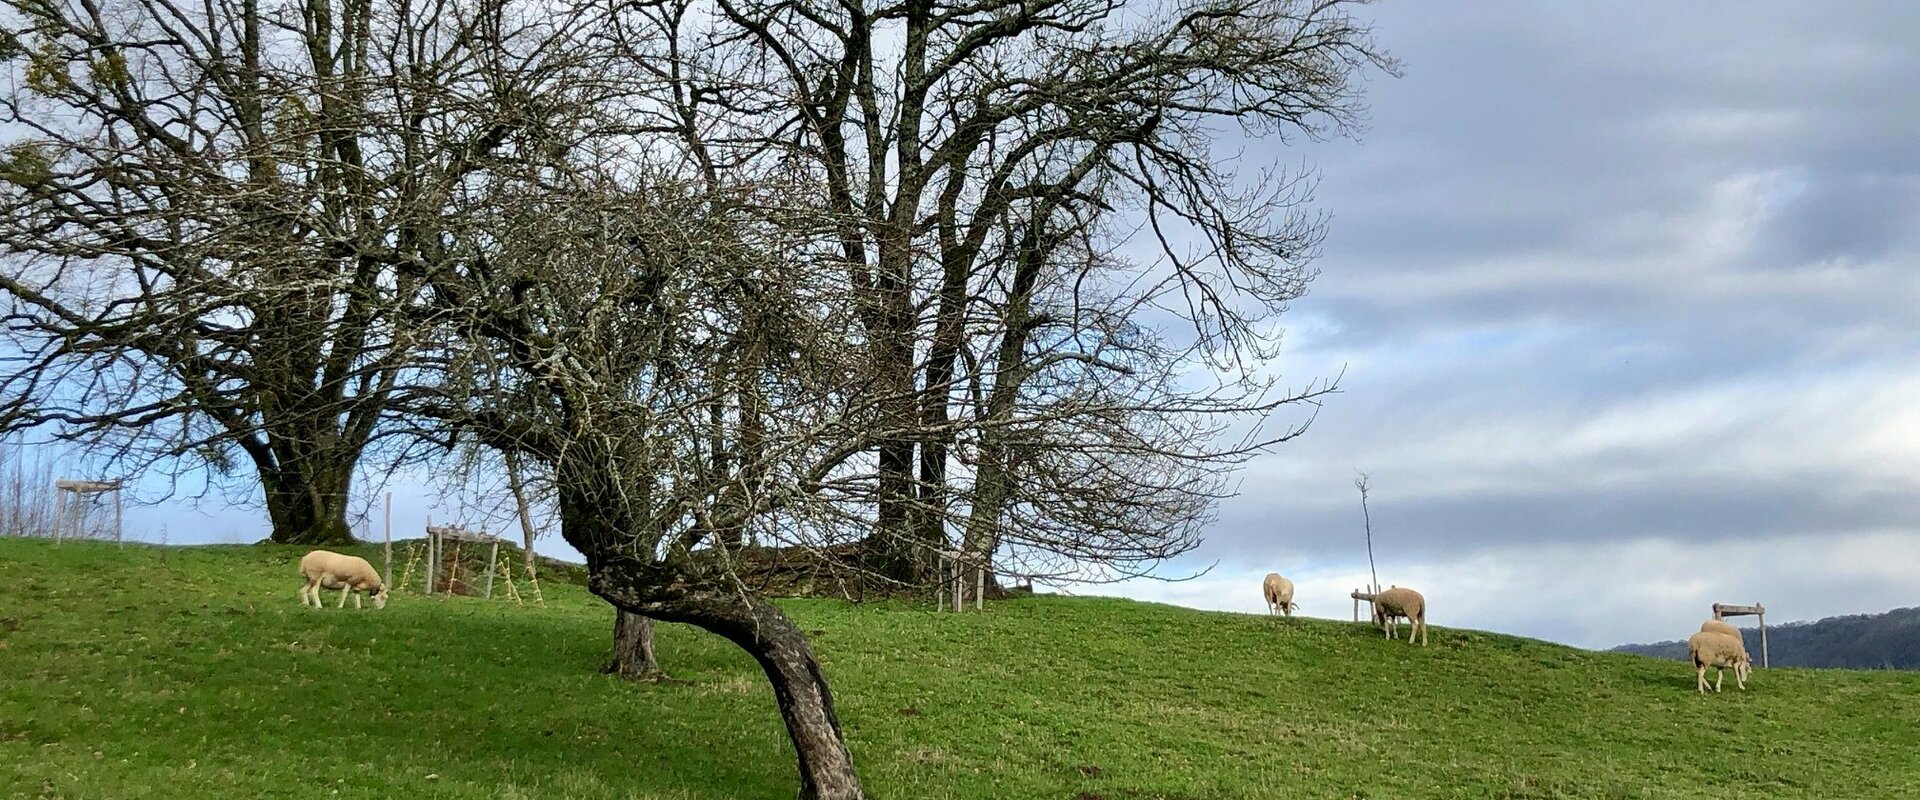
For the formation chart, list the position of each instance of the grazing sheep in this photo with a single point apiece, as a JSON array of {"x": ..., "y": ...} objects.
[
  {"x": 1721, "y": 626},
  {"x": 1718, "y": 650},
  {"x": 1279, "y": 592},
  {"x": 325, "y": 569},
  {"x": 1397, "y": 602}
]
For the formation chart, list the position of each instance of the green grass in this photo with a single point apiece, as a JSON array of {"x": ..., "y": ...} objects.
[{"x": 150, "y": 672}]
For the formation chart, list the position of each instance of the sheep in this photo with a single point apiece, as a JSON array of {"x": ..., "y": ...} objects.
[
  {"x": 1718, "y": 650},
  {"x": 1720, "y": 626},
  {"x": 325, "y": 569},
  {"x": 1279, "y": 592},
  {"x": 1397, "y": 602}
]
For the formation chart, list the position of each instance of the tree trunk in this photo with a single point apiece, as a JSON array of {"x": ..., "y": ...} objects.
[
  {"x": 633, "y": 656},
  {"x": 308, "y": 508},
  {"x": 761, "y": 629},
  {"x": 826, "y": 767}
]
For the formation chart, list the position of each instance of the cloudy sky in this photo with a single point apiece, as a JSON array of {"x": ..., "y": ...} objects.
[{"x": 1624, "y": 298}]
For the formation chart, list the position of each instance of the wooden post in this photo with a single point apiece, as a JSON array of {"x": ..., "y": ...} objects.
[
  {"x": 116, "y": 515},
  {"x": 59, "y": 516},
  {"x": 388, "y": 574},
  {"x": 1724, "y": 610},
  {"x": 979, "y": 587},
  {"x": 959, "y": 586},
  {"x": 433, "y": 555},
  {"x": 492, "y": 559},
  {"x": 1359, "y": 596}
]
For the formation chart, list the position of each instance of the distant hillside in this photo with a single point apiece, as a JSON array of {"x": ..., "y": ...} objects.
[{"x": 1859, "y": 641}]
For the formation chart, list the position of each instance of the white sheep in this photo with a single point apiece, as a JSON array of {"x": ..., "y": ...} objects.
[
  {"x": 1720, "y": 626},
  {"x": 1396, "y": 602},
  {"x": 325, "y": 569},
  {"x": 1719, "y": 651},
  {"x": 1279, "y": 592}
]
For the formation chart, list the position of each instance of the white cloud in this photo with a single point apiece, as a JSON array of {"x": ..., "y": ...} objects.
[{"x": 1597, "y": 594}]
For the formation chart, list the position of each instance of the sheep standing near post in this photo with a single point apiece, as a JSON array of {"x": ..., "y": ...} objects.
[
  {"x": 325, "y": 569},
  {"x": 1719, "y": 651},
  {"x": 1397, "y": 602},
  {"x": 1722, "y": 626},
  {"x": 1279, "y": 593}
]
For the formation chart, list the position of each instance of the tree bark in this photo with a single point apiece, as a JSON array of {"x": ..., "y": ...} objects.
[
  {"x": 633, "y": 656},
  {"x": 308, "y": 508},
  {"x": 761, "y": 629},
  {"x": 806, "y": 704}
]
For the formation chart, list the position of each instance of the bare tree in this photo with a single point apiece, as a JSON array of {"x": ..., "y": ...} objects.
[
  {"x": 981, "y": 163},
  {"x": 826, "y": 277},
  {"x": 202, "y": 209},
  {"x": 618, "y": 326}
]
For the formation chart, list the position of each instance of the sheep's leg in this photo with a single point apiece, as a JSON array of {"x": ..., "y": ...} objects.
[
  {"x": 1719, "y": 674},
  {"x": 356, "y": 600},
  {"x": 1421, "y": 623},
  {"x": 344, "y": 591}
]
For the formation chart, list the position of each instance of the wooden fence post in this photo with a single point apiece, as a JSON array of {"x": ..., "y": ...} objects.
[{"x": 1724, "y": 610}]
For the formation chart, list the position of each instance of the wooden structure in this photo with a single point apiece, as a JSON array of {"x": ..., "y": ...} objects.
[
  {"x": 1724, "y": 610},
  {"x": 438, "y": 536},
  {"x": 1361, "y": 597},
  {"x": 951, "y": 580},
  {"x": 69, "y": 497}
]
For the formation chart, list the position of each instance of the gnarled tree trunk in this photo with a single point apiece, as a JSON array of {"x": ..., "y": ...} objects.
[
  {"x": 799, "y": 686},
  {"x": 308, "y": 507},
  {"x": 633, "y": 656}
]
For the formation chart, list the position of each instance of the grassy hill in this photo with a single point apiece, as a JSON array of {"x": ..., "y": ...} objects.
[{"x": 150, "y": 672}]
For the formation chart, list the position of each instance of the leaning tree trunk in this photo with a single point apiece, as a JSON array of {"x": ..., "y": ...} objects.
[
  {"x": 826, "y": 766},
  {"x": 633, "y": 656},
  {"x": 799, "y": 686}
]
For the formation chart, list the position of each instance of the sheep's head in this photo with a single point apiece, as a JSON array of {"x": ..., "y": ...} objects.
[{"x": 380, "y": 596}]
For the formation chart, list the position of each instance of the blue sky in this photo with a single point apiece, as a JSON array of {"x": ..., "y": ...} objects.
[{"x": 1623, "y": 294}]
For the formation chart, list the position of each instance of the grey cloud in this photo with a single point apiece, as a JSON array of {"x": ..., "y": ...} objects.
[{"x": 1611, "y": 281}]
